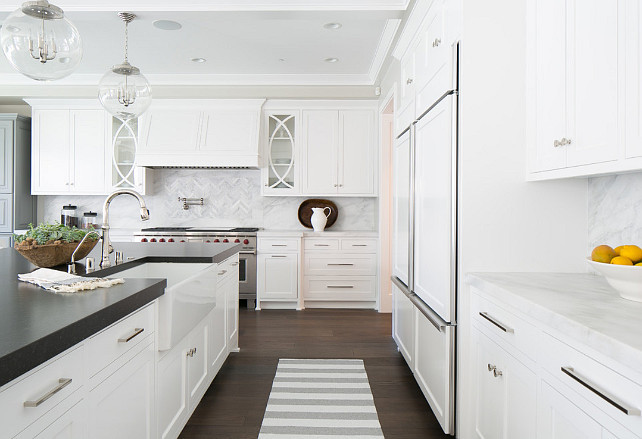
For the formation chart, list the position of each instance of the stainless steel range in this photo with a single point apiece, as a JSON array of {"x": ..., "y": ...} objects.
[{"x": 246, "y": 236}]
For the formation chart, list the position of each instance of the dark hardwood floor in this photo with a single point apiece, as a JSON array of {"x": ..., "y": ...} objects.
[{"x": 234, "y": 404}]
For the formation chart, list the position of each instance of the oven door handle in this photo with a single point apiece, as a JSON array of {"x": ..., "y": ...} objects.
[{"x": 247, "y": 252}]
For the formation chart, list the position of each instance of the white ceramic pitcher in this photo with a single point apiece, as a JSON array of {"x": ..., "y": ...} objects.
[{"x": 319, "y": 218}]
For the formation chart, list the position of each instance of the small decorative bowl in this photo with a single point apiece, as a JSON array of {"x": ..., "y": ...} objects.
[
  {"x": 626, "y": 279},
  {"x": 50, "y": 255}
]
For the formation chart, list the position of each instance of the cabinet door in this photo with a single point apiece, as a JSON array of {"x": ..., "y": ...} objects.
[
  {"x": 123, "y": 405},
  {"x": 167, "y": 131},
  {"x": 434, "y": 228},
  {"x": 230, "y": 132},
  {"x": 278, "y": 276},
  {"x": 592, "y": 78},
  {"x": 321, "y": 138},
  {"x": 401, "y": 208},
  {"x": 357, "y": 151},
  {"x": 6, "y": 156},
  {"x": 197, "y": 363},
  {"x": 71, "y": 425},
  {"x": 232, "y": 320},
  {"x": 88, "y": 151},
  {"x": 633, "y": 75},
  {"x": 51, "y": 154},
  {"x": 434, "y": 368},
  {"x": 281, "y": 164},
  {"x": 403, "y": 325},
  {"x": 217, "y": 337},
  {"x": 6, "y": 213},
  {"x": 547, "y": 40},
  {"x": 559, "y": 418},
  {"x": 172, "y": 390}
]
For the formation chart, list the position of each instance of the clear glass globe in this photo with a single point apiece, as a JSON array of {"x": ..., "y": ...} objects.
[
  {"x": 44, "y": 56},
  {"x": 125, "y": 92}
]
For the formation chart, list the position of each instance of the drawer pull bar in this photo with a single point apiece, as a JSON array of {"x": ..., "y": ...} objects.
[
  {"x": 497, "y": 322},
  {"x": 234, "y": 264},
  {"x": 62, "y": 383},
  {"x": 279, "y": 245},
  {"x": 279, "y": 256},
  {"x": 340, "y": 286},
  {"x": 614, "y": 401},
  {"x": 322, "y": 245},
  {"x": 360, "y": 245},
  {"x": 222, "y": 272},
  {"x": 343, "y": 265},
  {"x": 129, "y": 337}
]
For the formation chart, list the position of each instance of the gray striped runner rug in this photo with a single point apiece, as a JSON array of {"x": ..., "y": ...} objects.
[{"x": 320, "y": 399}]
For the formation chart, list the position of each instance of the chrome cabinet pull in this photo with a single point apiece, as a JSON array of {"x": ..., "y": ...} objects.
[
  {"x": 605, "y": 395},
  {"x": 340, "y": 286},
  {"x": 409, "y": 81},
  {"x": 497, "y": 322},
  {"x": 360, "y": 245},
  {"x": 557, "y": 143},
  {"x": 62, "y": 383},
  {"x": 191, "y": 352},
  {"x": 221, "y": 273},
  {"x": 129, "y": 337},
  {"x": 436, "y": 43},
  {"x": 497, "y": 373},
  {"x": 234, "y": 264},
  {"x": 322, "y": 245},
  {"x": 491, "y": 367},
  {"x": 279, "y": 256},
  {"x": 341, "y": 265},
  {"x": 279, "y": 245}
]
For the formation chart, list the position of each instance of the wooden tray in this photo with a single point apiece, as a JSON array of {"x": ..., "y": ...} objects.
[{"x": 305, "y": 211}]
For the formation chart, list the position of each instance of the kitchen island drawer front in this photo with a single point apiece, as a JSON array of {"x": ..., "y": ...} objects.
[
  {"x": 504, "y": 325},
  {"x": 109, "y": 344},
  {"x": 278, "y": 245},
  {"x": 28, "y": 399},
  {"x": 321, "y": 244},
  {"x": 348, "y": 288},
  {"x": 359, "y": 245},
  {"x": 226, "y": 269},
  {"x": 340, "y": 264},
  {"x": 611, "y": 392}
]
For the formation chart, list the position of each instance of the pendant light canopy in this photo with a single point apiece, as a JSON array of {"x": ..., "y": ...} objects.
[
  {"x": 123, "y": 90},
  {"x": 40, "y": 42}
]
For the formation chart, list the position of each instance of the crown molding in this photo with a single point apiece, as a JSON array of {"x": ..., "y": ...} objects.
[{"x": 383, "y": 48}]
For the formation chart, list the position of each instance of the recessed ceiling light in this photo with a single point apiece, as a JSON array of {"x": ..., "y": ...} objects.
[
  {"x": 199, "y": 60},
  {"x": 332, "y": 25},
  {"x": 167, "y": 25},
  {"x": 331, "y": 59}
]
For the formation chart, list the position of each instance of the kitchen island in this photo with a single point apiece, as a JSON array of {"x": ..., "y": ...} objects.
[{"x": 89, "y": 341}]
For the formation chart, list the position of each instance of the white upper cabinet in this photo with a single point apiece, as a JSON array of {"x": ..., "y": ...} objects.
[
  {"x": 339, "y": 152},
  {"x": 633, "y": 86},
  {"x": 201, "y": 133},
  {"x": 281, "y": 157},
  {"x": 575, "y": 83},
  {"x": 68, "y": 151}
]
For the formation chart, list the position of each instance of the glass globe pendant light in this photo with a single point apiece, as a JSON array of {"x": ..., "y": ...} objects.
[
  {"x": 40, "y": 42},
  {"x": 123, "y": 90}
]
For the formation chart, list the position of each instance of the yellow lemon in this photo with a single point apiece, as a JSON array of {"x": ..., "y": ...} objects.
[
  {"x": 633, "y": 252},
  {"x": 618, "y": 249},
  {"x": 639, "y": 264},
  {"x": 603, "y": 253},
  {"x": 621, "y": 260}
]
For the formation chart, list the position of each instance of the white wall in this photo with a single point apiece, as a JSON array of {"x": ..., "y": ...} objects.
[{"x": 506, "y": 224}]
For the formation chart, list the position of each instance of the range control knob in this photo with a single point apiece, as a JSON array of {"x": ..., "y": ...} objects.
[
  {"x": 152, "y": 240},
  {"x": 170, "y": 240},
  {"x": 143, "y": 240},
  {"x": 237, "y": 240},
  {"x": 226, "y": 240},
  {"x": 217, "y": 240},
  {"x": 182, "y": 240},
  {"x": 208, "y": 241},
  {"x": 161, "y": 240},
  {"x": 246, "y": 241}
]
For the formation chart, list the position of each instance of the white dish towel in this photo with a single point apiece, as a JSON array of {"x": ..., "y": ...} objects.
[{"x": 61, "y": 282}]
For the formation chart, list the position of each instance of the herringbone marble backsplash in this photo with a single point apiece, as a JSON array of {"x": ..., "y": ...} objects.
[{"x": 231, "y": 198}]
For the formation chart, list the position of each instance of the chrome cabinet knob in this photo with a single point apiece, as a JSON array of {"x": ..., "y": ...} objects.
[
  {"x": 436, "y": 43},
  {"x": 497, "y": 373},
  {"x": 491, "y": 367},
  {"x": 409, "y": 81}
]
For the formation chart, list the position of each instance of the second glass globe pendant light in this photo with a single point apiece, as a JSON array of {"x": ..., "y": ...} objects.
[{"x": 123, "y": 90}]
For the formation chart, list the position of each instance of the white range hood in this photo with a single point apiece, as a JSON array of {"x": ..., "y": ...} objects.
[{"x": 200, "y": 133}]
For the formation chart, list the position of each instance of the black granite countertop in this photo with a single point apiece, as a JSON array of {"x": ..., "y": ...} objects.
[{"x": 36, "y": 325}]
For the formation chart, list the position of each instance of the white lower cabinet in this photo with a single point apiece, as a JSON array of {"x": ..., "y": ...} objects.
[
  {"x": 403, "y": 325},
  {"x": 71, "y": 425},
  {"x": 278, "y": 274},
  {"x": 197, "y": 362},
  {"x": 172, "y": 390},
  {"x": 217, "y": 337}
]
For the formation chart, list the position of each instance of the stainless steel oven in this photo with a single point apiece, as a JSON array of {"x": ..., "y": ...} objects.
[{"x": 246, "y": 237}]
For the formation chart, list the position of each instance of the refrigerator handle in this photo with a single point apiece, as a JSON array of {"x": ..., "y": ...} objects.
[
  {"x": 434, "y": 319},
  {"x": 411, "y": 210}
]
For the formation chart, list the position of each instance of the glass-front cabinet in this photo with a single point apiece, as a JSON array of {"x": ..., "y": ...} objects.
[
  {"x": 124, "y": 173},
  {"x": 280, "y": 169}
]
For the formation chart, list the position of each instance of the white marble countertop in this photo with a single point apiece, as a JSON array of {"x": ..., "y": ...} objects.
[{"x": 581, "y": 306}]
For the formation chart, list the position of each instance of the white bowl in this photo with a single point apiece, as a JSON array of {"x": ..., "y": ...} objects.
[{"x": 626, "y": 279}]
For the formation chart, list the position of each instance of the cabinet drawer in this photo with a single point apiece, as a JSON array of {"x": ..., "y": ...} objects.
[
  {"x": 226, "y": 269},
  {"x": 41, "y": 392},
  {"x": 106, "y": 346},
  {"x": 339, "y": 264},
  {"x": 340, "y": 288},
  {"x": 504, "y": 325},
  {"x": 322, "y": 244},
  {"x": 359, "y": 245},
  {"x": 605, "y": 389},
  {"x": 272, "y": 245}
]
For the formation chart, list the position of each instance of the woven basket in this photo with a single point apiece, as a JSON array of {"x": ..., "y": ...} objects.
[{"x": 50, "y": 255}]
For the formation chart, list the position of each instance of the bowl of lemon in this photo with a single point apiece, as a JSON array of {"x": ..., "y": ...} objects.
[{"x": 621, "y": 267}]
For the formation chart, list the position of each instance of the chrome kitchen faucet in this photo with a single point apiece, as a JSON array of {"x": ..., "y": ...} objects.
[{"x": 107, "y": 247}]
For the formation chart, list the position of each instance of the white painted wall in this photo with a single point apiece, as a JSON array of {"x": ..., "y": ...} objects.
[{"x": 506, "y": 224}]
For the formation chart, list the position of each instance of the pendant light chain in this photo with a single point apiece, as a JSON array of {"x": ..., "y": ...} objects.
[{"x": 126, "y": 39}]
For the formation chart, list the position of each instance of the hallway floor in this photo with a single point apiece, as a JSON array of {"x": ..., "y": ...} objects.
[{"x": 234, "y": 404}]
